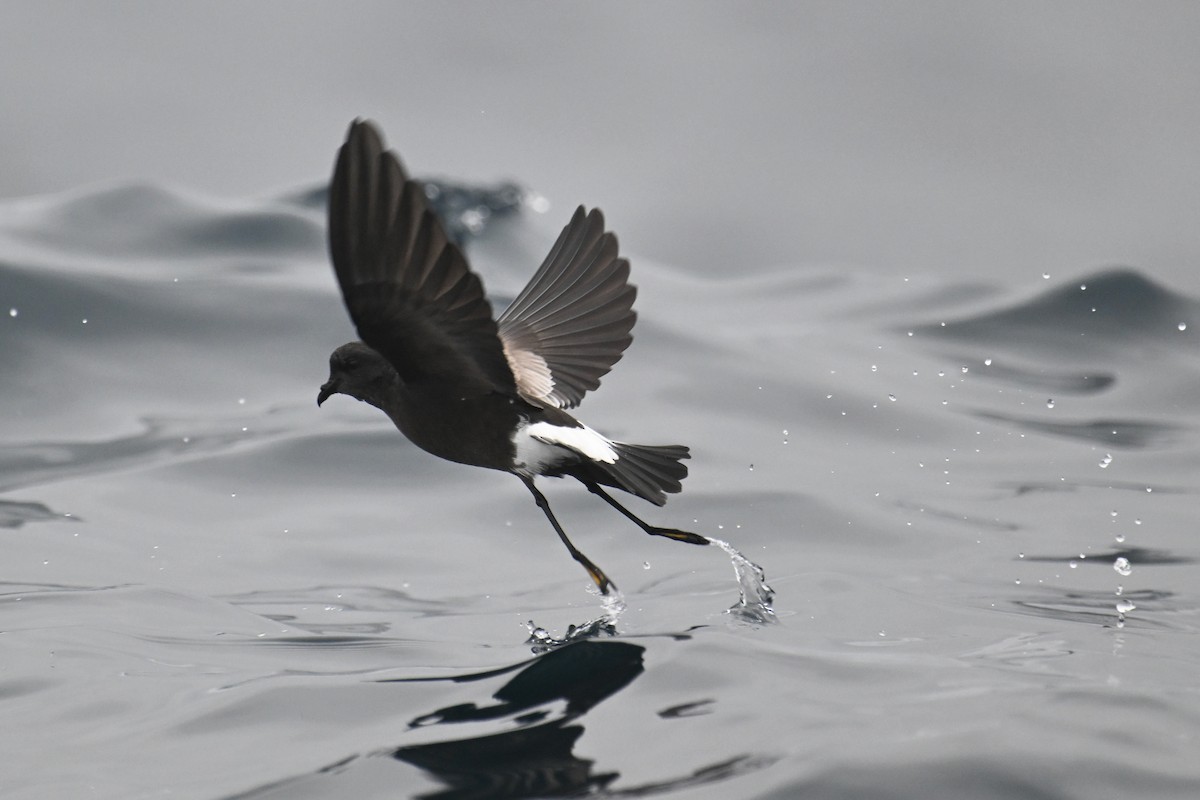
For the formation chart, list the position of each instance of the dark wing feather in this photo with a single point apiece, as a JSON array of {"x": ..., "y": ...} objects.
[
  {"x": 571, "y": 323},
  {"x": 408, "y": 288}
]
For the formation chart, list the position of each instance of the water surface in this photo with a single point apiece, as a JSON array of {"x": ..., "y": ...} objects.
[{"x": 212, "y": 588}]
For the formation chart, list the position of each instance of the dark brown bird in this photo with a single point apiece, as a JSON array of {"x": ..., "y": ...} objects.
[{"x": 469, "y": 388}]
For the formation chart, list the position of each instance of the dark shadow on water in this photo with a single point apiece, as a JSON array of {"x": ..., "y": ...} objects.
[
  {"x": 1151, "y": 607},
  {"x": 1044, "y": 378},
  {"x": 973, "y": 521},
  {"x": 541, "y": 707},
  {"x": 40, "y": 462},
  {"x": 1019, "y": 489},
  {"x": 1121, "y": 433},
  {"x": 1143, "y": 556},
  {"x": 15, "y": 513}
]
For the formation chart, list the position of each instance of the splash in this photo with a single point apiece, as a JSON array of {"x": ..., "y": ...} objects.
[
  {"x": 543, "y": 641},
  {"x": 754, "y": 595}
]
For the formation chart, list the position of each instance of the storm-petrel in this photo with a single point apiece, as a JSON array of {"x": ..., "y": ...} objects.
[{"x": 470, "y": 388}]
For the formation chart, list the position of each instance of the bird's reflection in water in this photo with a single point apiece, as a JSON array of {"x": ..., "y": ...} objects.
[
  {"x": 536, "y": 759},
  {"x": 543, "y": 703}
]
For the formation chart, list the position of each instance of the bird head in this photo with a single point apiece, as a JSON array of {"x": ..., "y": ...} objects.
[{"x": 360, "y": 372}]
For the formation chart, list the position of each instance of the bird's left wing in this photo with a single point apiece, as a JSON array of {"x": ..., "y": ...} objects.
[
  {"x": 408, "y": 288},
  {"x": 572, "y": 322}
]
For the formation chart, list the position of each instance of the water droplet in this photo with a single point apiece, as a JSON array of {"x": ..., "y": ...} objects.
[
  {"x": 645, "y": 565},
  {"x": 1120, "y": 537},
  {"x": 1046, "y": 276},
  {"x": 874, "y": 368},
  {"x": 1112, "y": 513},
  {"x": 84, "y": 320},
  {"x": 1120, "y": 590},
  {"x": 1149, "y": 489},
  {"x": 966, "y": 370},
  {"x": 752, "y": 468},
  {"x": 1073, "y": 563},
  {"x": 241, "y": 401},
  {"x": 892, "y": 397},
  {"x": 12, "y": 312},
  {"x": 1104, "y": 462},
  {"x": 1137, "y": 521},
  {"x": 1182, "y": 326},
  {"x": 1125, "y": 606},
  {"x": 987, "y": 362},
  {"x": 1083, "y": 287},
  {"x": 1122, "y": 566},
  {"x": 1020, "y": 555},
  {"x": 1050, "y": 403}
]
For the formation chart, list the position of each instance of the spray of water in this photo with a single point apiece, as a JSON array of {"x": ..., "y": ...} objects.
[
  {"x": 753, "y": 606},
  {"x": 542, "y": 640},
  {"x": 754, "y": 595}
]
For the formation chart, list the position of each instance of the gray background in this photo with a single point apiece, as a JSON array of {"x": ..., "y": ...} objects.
[{"x": 995, "y": 140}]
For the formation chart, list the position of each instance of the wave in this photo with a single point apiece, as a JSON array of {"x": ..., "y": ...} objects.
[{"x": 1106, "y": 308}]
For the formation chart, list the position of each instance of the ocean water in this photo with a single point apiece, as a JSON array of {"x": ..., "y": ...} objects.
[{"x": 975, "y": 502}]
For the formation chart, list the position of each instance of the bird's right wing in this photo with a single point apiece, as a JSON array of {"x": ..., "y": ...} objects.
[
  {"x": 408, "y": 288},
  {"x": 572, "y": 322}
]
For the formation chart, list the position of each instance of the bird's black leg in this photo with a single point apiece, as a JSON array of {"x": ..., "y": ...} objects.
[
  {"x": 670, "y": 533},
  {"x": 597, "y": 574}
]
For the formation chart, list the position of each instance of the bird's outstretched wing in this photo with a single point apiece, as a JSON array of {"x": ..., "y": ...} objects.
[
  {"x": 408, "y": 288},
  {"x": 571, "y": 323}
]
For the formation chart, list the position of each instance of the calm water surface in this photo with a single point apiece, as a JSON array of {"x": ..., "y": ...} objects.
[{"x": 212, "y": 589}]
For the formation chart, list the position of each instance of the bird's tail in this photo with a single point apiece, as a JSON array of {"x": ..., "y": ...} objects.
[{"x": 649, "y": 471}]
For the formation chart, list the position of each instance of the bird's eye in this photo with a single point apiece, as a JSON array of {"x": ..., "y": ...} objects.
[{"x": 350, "y": 363}]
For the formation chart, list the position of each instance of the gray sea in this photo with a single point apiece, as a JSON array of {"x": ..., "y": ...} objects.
[{"x": 972, "y": 487}]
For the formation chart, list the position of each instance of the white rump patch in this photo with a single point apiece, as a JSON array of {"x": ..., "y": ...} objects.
[
  {"x": 543, "y": 446},
  {"x": 582, "y": 440}
]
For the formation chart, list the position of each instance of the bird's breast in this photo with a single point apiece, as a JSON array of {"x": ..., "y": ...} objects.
[{"x": 475, "y": 430}]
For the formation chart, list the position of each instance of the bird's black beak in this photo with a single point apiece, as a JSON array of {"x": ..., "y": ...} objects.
[{"x": 328, "y": 389}]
